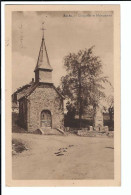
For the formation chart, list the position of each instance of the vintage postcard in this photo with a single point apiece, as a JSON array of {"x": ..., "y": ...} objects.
[{"x": 62, "y": 94}]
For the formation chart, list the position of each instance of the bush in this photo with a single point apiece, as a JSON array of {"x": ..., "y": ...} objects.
[
  {"x": 74, "y": 123},
  {"x": 18, "y": 146}
]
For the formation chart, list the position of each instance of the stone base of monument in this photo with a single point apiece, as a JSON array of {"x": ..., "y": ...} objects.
[
  {"x": 99, "y": 131},
  {"x": 106, "y": 128},
  {"x": 102, "y": 129},
  {"x": 99, "y": 128},
  {"x": 82, "y": 132},
  {"x": 91, "y": 128},
  {"x": 67, "y": 128},
  {"x": 94, "y": 133}
]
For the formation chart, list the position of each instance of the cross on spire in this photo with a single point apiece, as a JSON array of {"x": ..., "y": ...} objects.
[
  {"x": 43, "y": 29},
  {"x": 43, "y": 59}
]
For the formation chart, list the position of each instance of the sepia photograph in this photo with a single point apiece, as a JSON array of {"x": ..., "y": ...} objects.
[{"x": 64, "y": 95}]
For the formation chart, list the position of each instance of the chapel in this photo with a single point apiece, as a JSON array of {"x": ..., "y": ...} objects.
[{"x": 41, "y": 105}]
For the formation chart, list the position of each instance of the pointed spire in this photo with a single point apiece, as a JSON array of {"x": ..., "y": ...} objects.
[{"x": 43, "y": 59}]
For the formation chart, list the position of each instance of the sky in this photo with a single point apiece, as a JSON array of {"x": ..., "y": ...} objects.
[{"x": 65, "y": 32}]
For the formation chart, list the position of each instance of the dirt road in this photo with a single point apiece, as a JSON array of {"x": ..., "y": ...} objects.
[{"x": 64, "y": 157}]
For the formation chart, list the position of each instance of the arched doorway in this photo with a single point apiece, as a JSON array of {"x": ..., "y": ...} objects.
[{"x": 46, "y": 119}]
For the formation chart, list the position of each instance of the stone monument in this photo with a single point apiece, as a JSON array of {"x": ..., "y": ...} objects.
[{"x": 99, "y": 119}]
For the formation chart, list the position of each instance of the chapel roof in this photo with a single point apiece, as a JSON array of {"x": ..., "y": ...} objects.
[
  {"x": 34, "y": 86},
  {"x": 43, "y": 59}
]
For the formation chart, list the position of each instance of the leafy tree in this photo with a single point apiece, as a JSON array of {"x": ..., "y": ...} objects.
[{"x": 82, "y": 85}]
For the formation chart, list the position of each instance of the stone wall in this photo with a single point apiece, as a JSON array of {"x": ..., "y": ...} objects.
[
  {"x": 23, "y": 113},
  {"x": 45, "y": 97}
]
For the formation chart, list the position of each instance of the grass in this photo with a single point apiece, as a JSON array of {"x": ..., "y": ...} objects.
[{"x": 17, "y": 146}]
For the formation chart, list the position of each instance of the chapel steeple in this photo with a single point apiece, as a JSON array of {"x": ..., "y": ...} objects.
[{"x": 43, "y": 69}]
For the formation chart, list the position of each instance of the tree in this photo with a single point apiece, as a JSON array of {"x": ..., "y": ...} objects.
[{"x": 82, "y": 83}]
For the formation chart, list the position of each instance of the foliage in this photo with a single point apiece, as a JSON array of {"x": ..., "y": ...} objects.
[
  {"x": 71, "y": 111},
  {"x": 83, "y": 83}
]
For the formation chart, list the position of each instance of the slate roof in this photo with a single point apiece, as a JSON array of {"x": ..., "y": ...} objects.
[
  {"x": 43, "y": 59},
  {"x": 34, "y": 86}
]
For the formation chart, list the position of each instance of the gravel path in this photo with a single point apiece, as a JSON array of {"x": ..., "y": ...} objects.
[{"x": 64, "y": 157}]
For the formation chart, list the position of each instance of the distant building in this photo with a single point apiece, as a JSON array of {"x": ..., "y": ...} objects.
[{"x": 40, "y": 104}]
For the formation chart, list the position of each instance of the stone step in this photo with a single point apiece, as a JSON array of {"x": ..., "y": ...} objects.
[{"x": 49, "y": 131}]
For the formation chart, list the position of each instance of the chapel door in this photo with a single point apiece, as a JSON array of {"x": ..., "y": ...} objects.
[{"x": 46, "y": 119}]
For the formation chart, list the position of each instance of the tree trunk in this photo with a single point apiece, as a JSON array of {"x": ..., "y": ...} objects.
[
  {"x": 79, "y": 97},
  {"x": 111, "y": 114},
  {"x": 94, "y": 115}
]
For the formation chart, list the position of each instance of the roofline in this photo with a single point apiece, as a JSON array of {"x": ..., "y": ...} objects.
[
  {"x": 36, "y": 84},
  {"x": 20, "y": 89},
  {"x": 21, "y": 98},
  {"x": 44, "y": 69},
  {"x": 58, "y": 92},
  {"x": 26, "y": 95}
]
